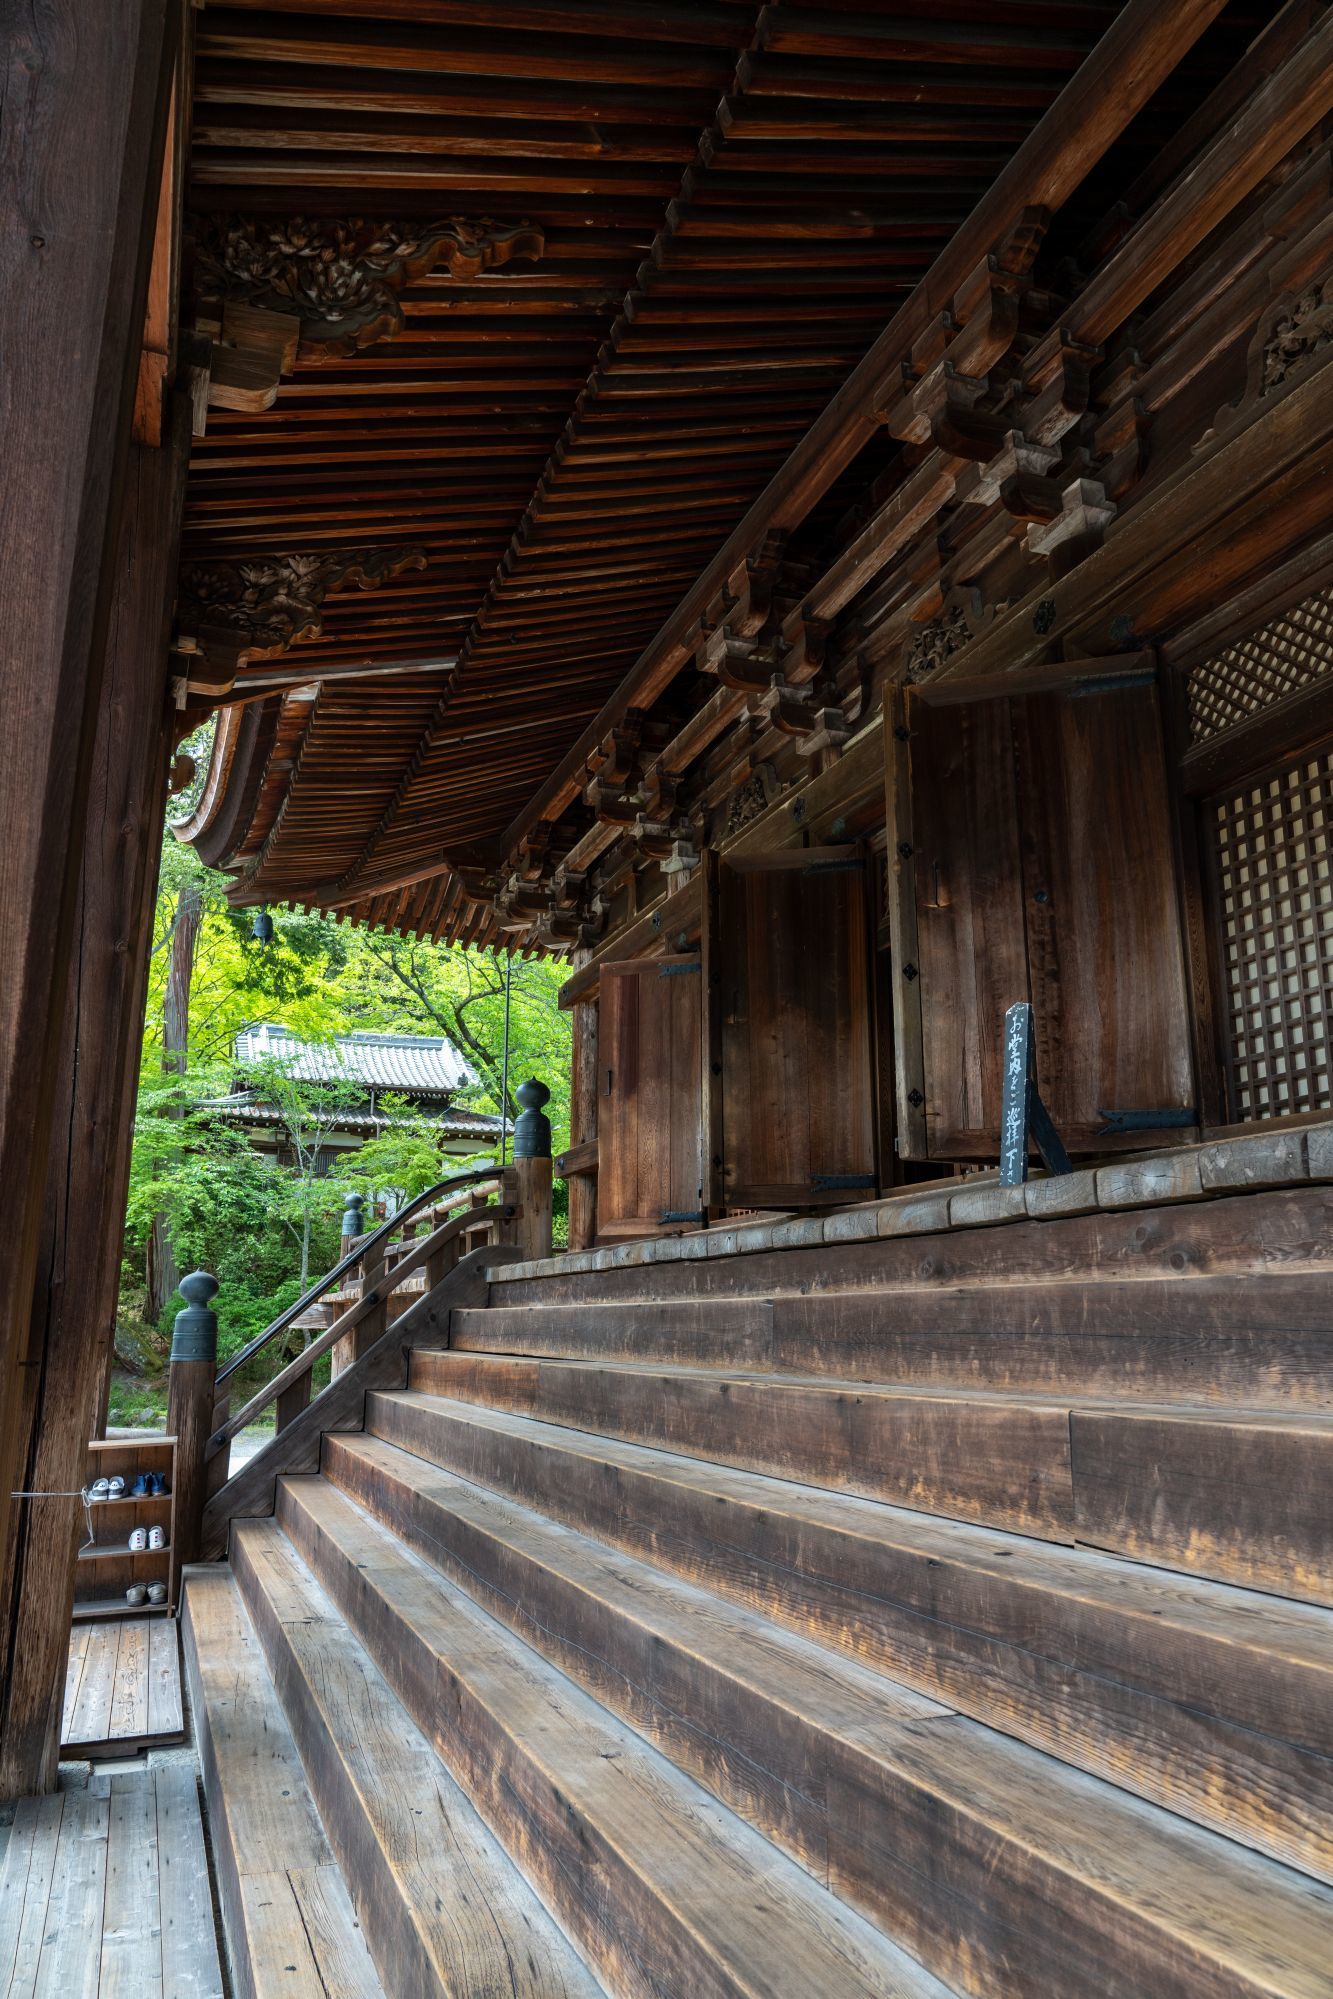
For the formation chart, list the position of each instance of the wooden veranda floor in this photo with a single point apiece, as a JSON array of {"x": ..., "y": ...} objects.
[
  {"x": 122, "y": 1687},
  {"x": 105, "y": 1891}
]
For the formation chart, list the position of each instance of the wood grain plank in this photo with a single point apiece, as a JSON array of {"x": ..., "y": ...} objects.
[
  {"x": 1247, "y": 1238},
  {"x": 131, "y": 1940},
  {"x": 78, "y": 1653},
  {"x": 129, "y": 1698},
  {"x": 165, "y": 1715},
  {"x": 1150, "y": 1679},
  {"x": 443, "y": 1909},
  {"x": 69, "y": 1964},
  {"x": 1243, "y": 1498},
  {"x": 190, "y": 1963},
  {"x": 91, "y": 1720},
  {"x": 289, "y": 1924},
  {"x": 1209, "y": 1340},
  {"x": 638, "y": 1863},
  {"x": 783, "y": 1729},
  {"x": 25, "y": 1888},
  {"x": 1002, "y": 1461}
]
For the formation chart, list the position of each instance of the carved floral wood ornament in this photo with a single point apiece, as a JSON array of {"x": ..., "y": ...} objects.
[
  {"x": 1296, "y": 326},
  {"x": 342, "y": 276},
  {"x": 235, "y": 611},
  {"x": 964, "y": 614}
]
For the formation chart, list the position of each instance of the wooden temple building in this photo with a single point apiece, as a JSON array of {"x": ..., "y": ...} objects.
[{"x": 821, "y": 517}]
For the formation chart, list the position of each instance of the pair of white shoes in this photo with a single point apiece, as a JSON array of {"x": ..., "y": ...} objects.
[
  {"x": 138, "y": 1593},
  {"x": 107, "y": 1488},
  {"x": 147, "y": 1537}
]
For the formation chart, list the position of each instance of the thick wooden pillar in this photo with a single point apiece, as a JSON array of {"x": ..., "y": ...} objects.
[
  {"x": 85, "y": 102},
  {"x": 583, "y": 1125},
  {"x": 532, "y": 1170},
  {"x": 73, "y": 1294}
]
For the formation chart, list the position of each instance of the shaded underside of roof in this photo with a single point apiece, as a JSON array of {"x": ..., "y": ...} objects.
[{"x": 734, "y": 201}]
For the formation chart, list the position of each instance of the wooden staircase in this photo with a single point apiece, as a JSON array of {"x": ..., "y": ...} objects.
[{"x": 800, "y": 1637}]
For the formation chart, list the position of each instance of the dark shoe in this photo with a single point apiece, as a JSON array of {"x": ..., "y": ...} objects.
[{"x": 142, "y": 1486}]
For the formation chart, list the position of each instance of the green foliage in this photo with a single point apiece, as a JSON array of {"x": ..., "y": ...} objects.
[{"x": 225, "y": 1207}]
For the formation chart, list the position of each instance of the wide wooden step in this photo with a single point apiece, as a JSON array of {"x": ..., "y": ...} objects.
[
  {"x": 1265, "y": 1343},
  {"x": 445, "y": 1911},
  {"x": 1214, "y": 1701},
  {"x": 1246, "y": 1237},
  {"x": 1242, "y": 1497},
  {"x": 289, "y": 1921},
  {"x": 664, "y": 1889},
  {"x": 1001, "y": 1868}
]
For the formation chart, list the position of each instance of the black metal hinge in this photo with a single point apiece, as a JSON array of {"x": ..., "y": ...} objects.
[
  {"x": 679, "y": 971},
  {"x": 853, "y": 861},
  {"x": 683, "y": 1215},
  {"x": 836, "y": 1183},
  {"x": 1161, "y": 1120}
]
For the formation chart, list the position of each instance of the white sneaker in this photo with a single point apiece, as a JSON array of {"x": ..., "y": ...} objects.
[
  {"x": 100, "y": 1489},
  {"x": 157, "y": 1537},
  {"x": 138, "y": 1540}
]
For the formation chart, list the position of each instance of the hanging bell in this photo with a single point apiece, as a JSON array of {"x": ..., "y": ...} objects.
[{"x": 262, "y": 927}]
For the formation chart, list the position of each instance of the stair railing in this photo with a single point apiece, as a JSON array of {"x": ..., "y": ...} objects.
[{"x": 461, "y": 1214}]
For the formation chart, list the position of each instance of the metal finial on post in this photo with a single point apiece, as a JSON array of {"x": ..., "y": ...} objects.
[
  {"x": 532, "y": 1169},
  {"x": 195, "y": 1333},
  {"x": 191, "y": 1395},
  {"x": 353, "y": 1222},
  {"x": 532, "y": 1128}
]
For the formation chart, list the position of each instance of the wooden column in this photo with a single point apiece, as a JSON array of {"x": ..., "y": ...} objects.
[
  {"x": 194, "y": 1368},
  {"x": 583, "y": 1123},
  {"x": 72, "y": 1296},
  {"x": 532, "y": 1170},
  {"x": 85, "y": 96}
]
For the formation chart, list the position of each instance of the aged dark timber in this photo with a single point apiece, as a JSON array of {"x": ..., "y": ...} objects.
[{"x": 819, "y": 519}]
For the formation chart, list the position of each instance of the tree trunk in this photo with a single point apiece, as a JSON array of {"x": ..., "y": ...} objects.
[{"x": 162, "y": 1274}]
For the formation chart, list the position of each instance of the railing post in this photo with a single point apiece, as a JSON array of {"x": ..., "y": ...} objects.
[
  {"x": 532, "y": 1170},
  {"x": 192, "y": 1391},
  {"x": 354, "y": 1223}
]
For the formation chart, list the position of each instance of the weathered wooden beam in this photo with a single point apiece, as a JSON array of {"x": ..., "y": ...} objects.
[
  {"x": 1139, "y": 51},
  {"x": 73, "y": 1298},
  {"x": 85, "y": 95},
  {"x": 1047, "y": 677}
]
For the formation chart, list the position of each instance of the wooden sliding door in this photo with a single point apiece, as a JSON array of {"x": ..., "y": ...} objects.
[
  {"x": 1036, "y": 861},
  {"x": 794, "y": 1030},
  {"x": 650, "y": 1070}
]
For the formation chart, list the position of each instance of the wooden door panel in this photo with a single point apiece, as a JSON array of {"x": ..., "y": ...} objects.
[
  {"x": 798, "y": 1113},
  {"x": 649, "y": 1129},
  {"x": 972, "y": 960},
  {"x": 1043, "y": 868},
  {"x": 1104, "y": 945}
]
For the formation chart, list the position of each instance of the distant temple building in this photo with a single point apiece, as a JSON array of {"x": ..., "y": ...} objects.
[{"x": 423, "y": 1071}]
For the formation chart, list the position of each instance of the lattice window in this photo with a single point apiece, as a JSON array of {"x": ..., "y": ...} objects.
[
  {"x": 1291, "y": 652},
  {"x": 1275, "y": 869}
]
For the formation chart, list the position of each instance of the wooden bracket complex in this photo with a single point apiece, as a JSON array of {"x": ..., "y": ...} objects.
[
  {"x": 272, "y": 290},
  {"x": 231, "y": 612}
]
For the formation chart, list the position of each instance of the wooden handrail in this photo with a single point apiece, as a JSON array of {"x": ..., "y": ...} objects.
[
  {"x": 429, "y": 1246},
  {"x": 458, "y": 1183}
]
